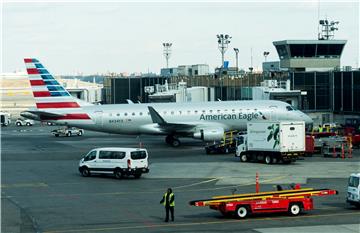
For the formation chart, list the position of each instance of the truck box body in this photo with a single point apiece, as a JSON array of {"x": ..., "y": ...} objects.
[{"x": 281, "y": 137}]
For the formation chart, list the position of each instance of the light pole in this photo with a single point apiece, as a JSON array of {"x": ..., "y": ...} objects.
[
  {"x": 223, "y": 42},
  {"x": 167, "y": 52},
  {"x": 265, "y": 55},
  {"x": 237, "y": 60},
  {"x": 251, "y": 70}
]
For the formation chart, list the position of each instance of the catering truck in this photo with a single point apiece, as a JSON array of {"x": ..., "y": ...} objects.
[{"x": 272, "y": 142}]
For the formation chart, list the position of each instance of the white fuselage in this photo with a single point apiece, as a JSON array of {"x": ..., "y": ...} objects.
[{"x": 136, "y": 119}]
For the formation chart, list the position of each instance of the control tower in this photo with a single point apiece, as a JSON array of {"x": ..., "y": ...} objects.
[
  {"x": 309, "y": 55},
  {"x": 312, "y": 55}
]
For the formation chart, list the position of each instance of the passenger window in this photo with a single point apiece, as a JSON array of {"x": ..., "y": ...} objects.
[
  {"x": 196, "y": 111},
  {"x": 172, "y": 112},
  {"x": 180, "y": 112},
  {"x": 105, "y": 154},
  {"x": 118, "y": 155},
  {"x": 211, "y": 111},
  {"x": 140, "y": 113},
  {"x": 133, "y": 114},
  {"x": 218, "y": 111},
  {"x": 125, "y": 114},
  {"x": 138, "y": 155},
  {"x": 118, "y": 114},
  {"x": 188, "y": 111},
  {"x": 90, "y": 156},
  {"x": 203, "y": 111}
]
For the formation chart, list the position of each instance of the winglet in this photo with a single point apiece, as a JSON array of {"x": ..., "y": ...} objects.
[{"x": 155, "y": 116}]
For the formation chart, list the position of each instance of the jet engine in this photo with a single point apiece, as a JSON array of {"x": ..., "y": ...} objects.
[{"x": 209, "y": 134}]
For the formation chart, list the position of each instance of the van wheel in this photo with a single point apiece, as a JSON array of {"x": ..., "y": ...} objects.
[
  {"x": 243, "y": 157},
  {"x": 268, "y": 159},
  {"x": 118, "y": 174},
  {"x": 137, "y": 175},
  {"x": 294, "y": 209},
  {"x": 85, "y": 172},
  {"x": 241, "y": 212}
]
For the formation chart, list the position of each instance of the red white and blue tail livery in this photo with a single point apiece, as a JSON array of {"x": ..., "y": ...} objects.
[
  {"x": 53, "y": 101},
  {"x": 207, "y": 121}
]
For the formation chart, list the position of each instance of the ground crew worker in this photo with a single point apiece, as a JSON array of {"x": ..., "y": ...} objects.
[
  {"x": 320, "y": 129},
  {"x": 169, "y": 202}
]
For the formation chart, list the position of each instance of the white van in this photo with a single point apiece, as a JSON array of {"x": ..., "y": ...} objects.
[
  {"x": 353, "y": 190},
  {"x": 115, "y": 160}
]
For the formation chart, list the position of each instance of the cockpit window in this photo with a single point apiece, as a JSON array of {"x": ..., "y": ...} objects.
[{"x": 289, "y": 108}]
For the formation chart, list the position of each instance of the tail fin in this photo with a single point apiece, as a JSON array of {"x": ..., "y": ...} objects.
[{"x": 47, "y": 91}]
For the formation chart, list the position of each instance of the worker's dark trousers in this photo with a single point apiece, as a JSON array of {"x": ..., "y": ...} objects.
[{"x": 171, "y": 208}]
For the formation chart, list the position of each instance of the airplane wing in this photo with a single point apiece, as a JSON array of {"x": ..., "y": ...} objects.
[{"x": 166, "y": 126}]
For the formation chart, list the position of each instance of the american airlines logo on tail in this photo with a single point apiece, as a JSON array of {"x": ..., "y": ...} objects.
[{"x": 49, "y": 94}]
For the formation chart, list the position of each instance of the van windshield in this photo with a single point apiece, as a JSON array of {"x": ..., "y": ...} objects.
[
  {"x": 138, "y": 154},
  {"x": 354, "y": 181},
  {"x": 90, "y": 156}
]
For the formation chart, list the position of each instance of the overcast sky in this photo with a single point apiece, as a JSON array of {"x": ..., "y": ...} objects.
[{"x": 98, "y": 37}]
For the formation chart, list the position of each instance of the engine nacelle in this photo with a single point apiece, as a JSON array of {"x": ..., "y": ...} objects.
[{"x": 209, "y": 134}]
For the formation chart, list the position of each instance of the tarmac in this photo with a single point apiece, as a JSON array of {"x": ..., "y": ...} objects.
[{"x": 42, "y": 190}]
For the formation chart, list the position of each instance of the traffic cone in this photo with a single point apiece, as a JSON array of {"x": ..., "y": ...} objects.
[
  {"x": 257, "y": 186},
  {"x": 350, "y": 150}
]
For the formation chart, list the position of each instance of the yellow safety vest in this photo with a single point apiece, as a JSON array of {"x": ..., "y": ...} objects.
[
  {"x": 171, "y": 195},
  {"x": 320, "y": 129}
]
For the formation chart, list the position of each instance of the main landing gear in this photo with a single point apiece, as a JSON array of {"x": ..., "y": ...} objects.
[{"x": 172, "y": 140}]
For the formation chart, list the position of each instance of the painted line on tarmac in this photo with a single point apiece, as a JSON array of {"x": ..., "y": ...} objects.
[
  {"x": 195, "y": 223},
  {"x": 24, "y": 185},
  {"x": 197, "y": 183}
]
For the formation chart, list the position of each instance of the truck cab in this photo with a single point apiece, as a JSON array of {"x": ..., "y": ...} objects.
[
  {"x": 353, "y": 190},
  {"x": 241, "y": 147}
]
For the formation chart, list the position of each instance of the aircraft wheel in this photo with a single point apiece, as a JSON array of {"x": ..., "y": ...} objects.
[
  {"x": 169, "y": 139},
  {"x": 176, "y": 143}
]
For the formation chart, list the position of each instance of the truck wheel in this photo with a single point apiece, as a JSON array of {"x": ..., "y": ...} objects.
[
  {"x": 85, "y": 171},
  {"x": 68, "y": 134},
  {"x": 118, "y": 174},
  {"x": 294, "y": 209},
  {"x": 268, "y": 159},
  {"x": 241, "y": 212},
  {"x": 243, "y": 158}
]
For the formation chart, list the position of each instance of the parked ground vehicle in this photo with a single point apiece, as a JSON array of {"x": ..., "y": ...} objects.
[
  {"x": 272, "y": 142},
  {"x": 309, "y": 145},
  {"x": 225, "y": 146},
  {"x": 22, "y": 122},
  {"x": 71, "y": 131},
  {"x": 5, "y": 119},
  {"x": 292, "y": 201},
  {"x": 353, "y": 190},
  {"x": 115, "y": 160},
  {"x": 320, "y": 138}
]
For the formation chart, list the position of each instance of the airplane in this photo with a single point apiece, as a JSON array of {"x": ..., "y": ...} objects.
[{"x": 203, "y": 120}]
